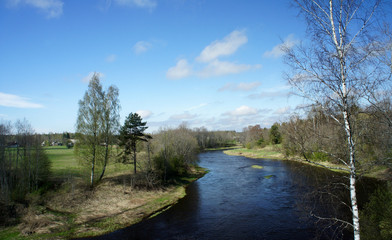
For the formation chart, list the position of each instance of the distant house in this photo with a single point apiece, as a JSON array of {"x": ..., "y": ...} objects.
[
  {"x": 13, "y": 144},
  {"x": 56, "y": 143}
]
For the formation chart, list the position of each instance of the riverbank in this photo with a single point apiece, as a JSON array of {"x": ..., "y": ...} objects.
[
  {"x": 75, "y": 211},
  {"x": 273, "y": 152}
]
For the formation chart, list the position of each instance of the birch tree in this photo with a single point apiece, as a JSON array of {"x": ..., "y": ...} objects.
[
  {"x": 89, "y": 124},
  {"x": 337, "y": 66},
  {"x": 96, "y": 124},
  {"x": 110, "y": 120}
]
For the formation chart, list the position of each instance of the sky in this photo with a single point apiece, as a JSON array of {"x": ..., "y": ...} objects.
[{"x": 207, "y": 63}]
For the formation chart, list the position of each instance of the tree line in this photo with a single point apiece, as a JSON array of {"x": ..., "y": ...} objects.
[
  {"x": 24, "y": 166},
  {"x": 101, "y": 138}
]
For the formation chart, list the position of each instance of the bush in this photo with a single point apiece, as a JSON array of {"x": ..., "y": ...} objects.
[
  {"x": 175, "y": 151},
  {"x": 376, "y": 218}
]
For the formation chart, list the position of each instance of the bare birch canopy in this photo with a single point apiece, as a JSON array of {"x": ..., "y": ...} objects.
[
  {"x": 341, "y": 59},
  {"x": 338, "y": 67}
]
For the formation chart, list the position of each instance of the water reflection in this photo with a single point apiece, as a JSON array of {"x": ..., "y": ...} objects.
[{"x": 236, "y": 201}]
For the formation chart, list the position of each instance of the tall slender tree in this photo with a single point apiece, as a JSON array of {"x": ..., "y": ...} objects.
[
  {"x": 89, "y": 123},
  {"x": 111, "y": 116},
  {"x": 97, "y": 122},
  {"x": 337, "y": 67},
  {"x": 131, "y": 132}
]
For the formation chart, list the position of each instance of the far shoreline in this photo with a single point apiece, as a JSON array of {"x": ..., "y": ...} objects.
[{"x": 272, "y": 152}]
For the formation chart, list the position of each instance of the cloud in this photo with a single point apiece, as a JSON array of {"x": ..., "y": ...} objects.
[
  {"x": 197, "y": 107},
  {"x": 111, "y": 58},
  {"x": 280, "y": 91},
  {"x": 10, "y": 100},
  {"x": 277, "y": 51},
  {"x": 240, "y": 86},
  {"x": 242, "y": 111},
  {"x": 267, "y": 94},
  {"x": 52, "y": 8},
  {"x": 183, "y": 116},
  {"x": 282, "y": 111},
  {"x": 208, "y": 60},
  {"x": 144, "y": 113},
  {"x": 225, "y": 47},
  {"x": 87, "y": 78},
  {"x": 137, "y": 3},
  {"x": 181, "y": 70},
  {"x": 219, "y": 68},
  {"x": 141, "y": 47}
]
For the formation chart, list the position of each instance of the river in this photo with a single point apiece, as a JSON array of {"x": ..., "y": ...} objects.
[{"x": 237, "y": 201}]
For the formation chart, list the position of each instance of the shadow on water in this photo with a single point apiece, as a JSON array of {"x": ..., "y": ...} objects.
[{"x": 236, "y": 201}]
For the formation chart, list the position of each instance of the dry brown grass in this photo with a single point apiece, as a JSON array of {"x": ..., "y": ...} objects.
[{"x": 115, "y": 203}]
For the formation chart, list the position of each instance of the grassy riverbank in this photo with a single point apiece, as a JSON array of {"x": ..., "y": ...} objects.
[
  {"x": 273, "y": 152},
  {"x": 73, "y": 210}
]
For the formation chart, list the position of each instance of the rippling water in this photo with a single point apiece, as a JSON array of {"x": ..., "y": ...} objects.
[{"x": 236, "y": 201}]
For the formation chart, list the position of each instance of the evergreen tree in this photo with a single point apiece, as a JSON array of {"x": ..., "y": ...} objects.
[{"x": 131, "y": 132}]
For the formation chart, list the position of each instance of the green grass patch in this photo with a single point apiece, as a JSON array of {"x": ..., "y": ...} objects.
[
  {"x": 64, "y": 161},
  {"x": 65, "y": 164},
  {"x": 270, "y": 151},
  {"x": 10, "y": 233},
  {"x": 257, "y": 167}
]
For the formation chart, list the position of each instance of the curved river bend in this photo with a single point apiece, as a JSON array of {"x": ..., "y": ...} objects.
[{"x": 237, "y": 201}]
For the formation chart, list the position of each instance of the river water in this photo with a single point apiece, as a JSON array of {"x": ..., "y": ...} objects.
[{"x": 237, "y": 201}]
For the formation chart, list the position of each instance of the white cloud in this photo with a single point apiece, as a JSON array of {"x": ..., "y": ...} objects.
[
  {"x": 181, "y": 70},
  {"x": 52, "y": 8},
  {"x": 208, "y": 60},
  {"x": 224, "y": 47},
  {"x": 284, "y": 110},
  {"x": 242, "y": 111},
  {"x": 137, "y": 3},
  {"x": 111, "y": 58},
  {"x": 144, "y": 113},
  {"x": 197, "y": 107},
  {"x": 141, "y": 47},
  {"x": 87, "y": 78},
  {"x": 277, "y": 51},
  {"x": 269, "y": 94},
  {"x": 183, "y": 116},
  {"x": 220, "y": 68},
  {"x": 240, "y": 86},
  {"x": 276, "y": 92},
  {"x": 10, "y": 100}
]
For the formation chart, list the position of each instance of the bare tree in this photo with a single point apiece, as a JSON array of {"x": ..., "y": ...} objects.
[
  {"x": 175, "y": 151},
  {"x": 337, "y": 67},
  {"x": 24, "y": 166}
]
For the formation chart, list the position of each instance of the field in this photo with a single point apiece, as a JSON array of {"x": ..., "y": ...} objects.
[
  {"x": 65, "y": 164},
  {"x": 71, "y": 209}
]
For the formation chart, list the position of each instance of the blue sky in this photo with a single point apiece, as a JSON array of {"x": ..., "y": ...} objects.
[{"x": 211, "y": 63}]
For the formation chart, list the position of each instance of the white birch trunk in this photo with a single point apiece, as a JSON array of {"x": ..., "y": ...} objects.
[{"x": 353, "y": 170}]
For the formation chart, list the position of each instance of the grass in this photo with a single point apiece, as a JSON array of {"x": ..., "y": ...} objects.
[
  {"x": 74, "y": 210},
  {"x": 11, "y": 233},
  {"x": 257, "y": 167},
  {"x": 66, "y": 164},
  {"x": 273, "y": 152},
  {"x": 270, "y": 151},
  {"x": 64, "y": 161}
]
